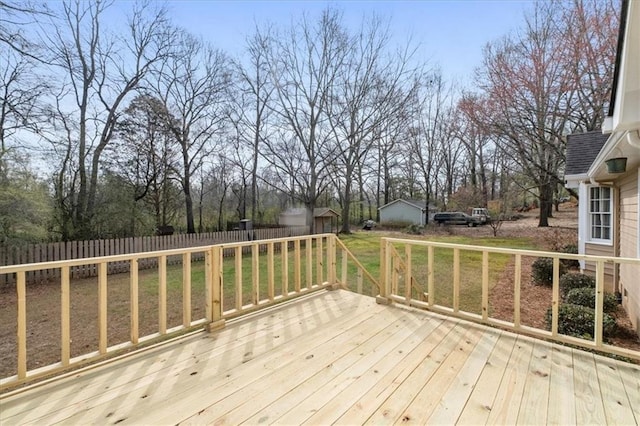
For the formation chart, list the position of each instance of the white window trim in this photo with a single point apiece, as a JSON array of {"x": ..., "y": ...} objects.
[{"x": 589, "y": 238}]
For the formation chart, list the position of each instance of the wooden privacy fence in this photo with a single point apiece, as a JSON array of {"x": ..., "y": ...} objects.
[
  {"x": 260, "y": 274},
  {"x": 70, "y": 250}
]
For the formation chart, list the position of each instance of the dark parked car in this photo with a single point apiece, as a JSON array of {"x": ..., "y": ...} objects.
[{"x": 455, "y": 218}]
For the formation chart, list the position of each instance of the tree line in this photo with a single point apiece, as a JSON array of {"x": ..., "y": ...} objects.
[{"x": 115, "y": 129}]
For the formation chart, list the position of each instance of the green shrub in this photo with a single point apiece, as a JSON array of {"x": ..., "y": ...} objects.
[
  {"x": 542, "y": 271},
  {"x": 587, "y": 297},
  {"x": 573, "y": 280},
  {"x": 570, "y": 263},
  {"x": 578, "y": 321}
]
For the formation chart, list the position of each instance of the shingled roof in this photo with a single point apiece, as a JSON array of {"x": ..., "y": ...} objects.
[{"x": 582, "y": 150}]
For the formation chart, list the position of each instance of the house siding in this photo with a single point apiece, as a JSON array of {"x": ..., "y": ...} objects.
[
  {"x": 401, "y": 212},
  {"x": 609, "y": 269},
  {"x": 629, "y": 282}
]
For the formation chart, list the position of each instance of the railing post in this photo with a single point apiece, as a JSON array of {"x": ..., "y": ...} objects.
[
  {"x": 213, "y": 276},
  {"x": 382, "y": 298},
  {"x": 555, "y": 296},
  {"x": 331, "y": 259}
]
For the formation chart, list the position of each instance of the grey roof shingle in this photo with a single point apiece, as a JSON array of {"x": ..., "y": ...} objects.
[{"x": 582, "y": 149}]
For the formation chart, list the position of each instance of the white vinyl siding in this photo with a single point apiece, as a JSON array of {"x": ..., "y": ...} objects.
[{"x": 600, "y": 214}]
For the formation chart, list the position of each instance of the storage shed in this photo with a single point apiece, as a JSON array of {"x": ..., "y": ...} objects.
[
  {"x": 409, "y": 211},
  {"x": 325, "y": 219}
]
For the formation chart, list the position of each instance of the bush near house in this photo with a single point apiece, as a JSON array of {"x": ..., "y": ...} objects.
[
  {"x": 570, "y": 263},
  {"x": 542, "y": 271},
  {"x": 578, "y": 321},
  {"x": 575, "y": 280},
  {"x": 587, "y": 297}
]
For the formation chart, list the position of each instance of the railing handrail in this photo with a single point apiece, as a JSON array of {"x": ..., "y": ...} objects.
[
  {"x": 26, "y": 267},
  {"x": 524, "y": 252}
]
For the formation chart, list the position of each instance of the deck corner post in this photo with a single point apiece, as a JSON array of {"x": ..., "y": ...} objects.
[
  {"x": 381, "y": 300},
  {"x": 383, "y": 297},
  {"x": 213, "y": 272},
  {"x": 215, "y": 325}
]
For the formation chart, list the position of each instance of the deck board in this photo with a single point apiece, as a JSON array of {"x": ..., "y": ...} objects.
[{"x": 337, "y": 357}]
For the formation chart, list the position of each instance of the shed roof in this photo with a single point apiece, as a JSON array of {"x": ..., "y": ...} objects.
[
  {"x": 324, "y": 212},
  {"x": 582, "y": 150},
  {"x": 419, "y": 204}
]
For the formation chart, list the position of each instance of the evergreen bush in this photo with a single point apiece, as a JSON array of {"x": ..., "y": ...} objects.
[
  {"x": 578, "y": 321},
  {"x": 542, "y": 271},
  {"x": 570, "y": 263},
  {"x": 587, "y": 297},
  {"x": 574, "y": 280}
]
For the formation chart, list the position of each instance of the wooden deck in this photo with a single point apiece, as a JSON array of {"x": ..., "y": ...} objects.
[{"x": 338, "y": 357}]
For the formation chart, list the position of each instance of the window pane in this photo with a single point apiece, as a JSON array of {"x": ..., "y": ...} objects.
[{"x": 600, "y": 209}]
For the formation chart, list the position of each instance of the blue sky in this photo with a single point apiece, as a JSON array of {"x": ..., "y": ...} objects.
[{"x": 451, "y": 34}]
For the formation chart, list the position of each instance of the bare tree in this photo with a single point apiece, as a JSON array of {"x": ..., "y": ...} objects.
[
  {"x": 100, "y": 71},
  {"x": 15, "y": 17},
  {"x": 304, "y": 64},
  {"x": 546, "y": 82},
  {"x": 250, "y": 113},
  {"x": 22, "y": 90},
  {"x": 371, "y": 87},
  {"x": 193, "y": 82}
]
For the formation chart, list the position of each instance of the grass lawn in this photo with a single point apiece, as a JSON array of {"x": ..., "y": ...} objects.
[{"x": 366, "y": 247}]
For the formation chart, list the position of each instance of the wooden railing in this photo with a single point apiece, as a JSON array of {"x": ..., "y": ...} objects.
[
  {"x": 234, "y": 279},
  {"x": 239, "y": 278},
  {"x": 437, "y": 284}
]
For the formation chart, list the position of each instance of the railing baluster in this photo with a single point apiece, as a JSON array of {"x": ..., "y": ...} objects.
[
  {"x": 308, "y": 248},
  {"x": 517, "y": 283},
  {"x": 238, "y": 281},
  {"x": 162, "y": 294},
  {"x": 431, "y": 287},
  {"x": 133, "y": 303},
  {"x": 65, "y": 316},
  {"x": 296, "y": 266},
  {"x": 102, "y": 310},
  {"x": 284, "y": 252},
  {"x": 485, "y": 285},
  {"x": 407, "y": 274},
  {"x": 456, "y": 279},
  {"x": 270, "y": 273},
  {"x": 599, "y": 314},
  {"x": 344, "y": 271},
  {"x": 319, "y": 261},
  {"x": 255, "y": 273},
  {"x": 186, "y": 289},
  {"x": 395, "y": 266},
  {"x": 22, "y": 324}
]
